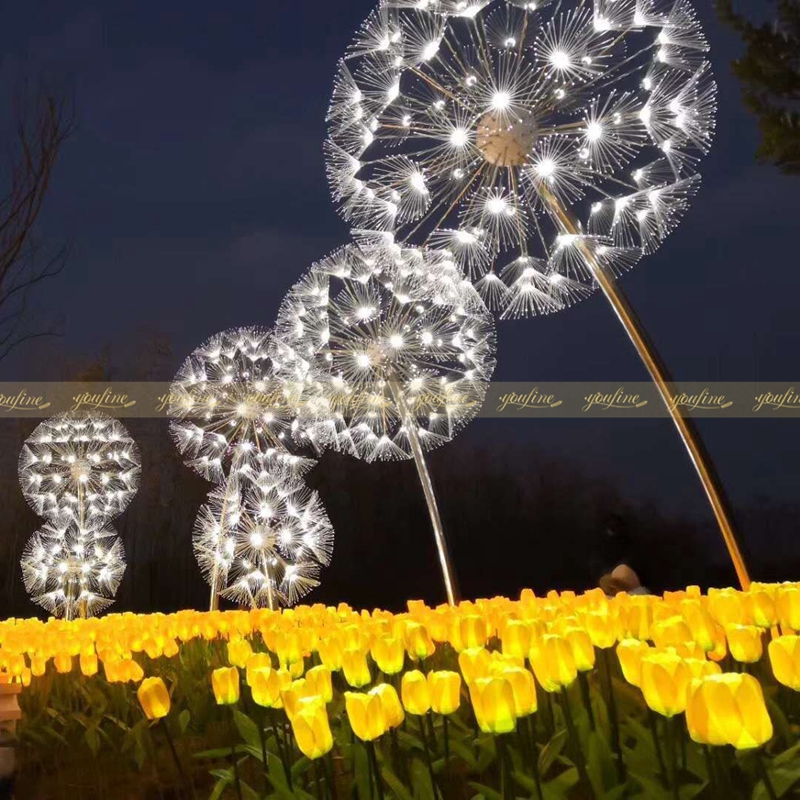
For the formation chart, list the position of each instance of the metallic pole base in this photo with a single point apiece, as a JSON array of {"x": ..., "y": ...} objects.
[
  {"x": 658, "y": 372},
  {"x": 445, "y": 563}
]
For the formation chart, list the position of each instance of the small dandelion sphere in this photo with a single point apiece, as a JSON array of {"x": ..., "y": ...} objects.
[
  {"x": 79, "y": 467},
  {"x": 266, "y": 539},
  {"x": 480, "y": 126},
  {"x": 230, "y": 413},
  {"x": 393, "y": 346}
]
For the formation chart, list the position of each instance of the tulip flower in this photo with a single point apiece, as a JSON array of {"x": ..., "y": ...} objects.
[
  {"x": 38, "y": 666},
  {"x": 226, "y": 686},
  {"x": 523, "y": 687},
  {"x": 356, "y": 669},
  {"x": 256, "y": 662},
  {"x": 265, "y": 686},
  {"x": 601, "y": 629},
  {"x": 761, "y": 606},
  {"x": 744, "y": 643},
  {"x": 728, "y": 709},
  {"x": 701, "y": 624},
  {"x": 469, "y": 631},
  {"x": 630, "y": 653},
  {"x": 131, "y": 670},
  {"x": 784, "y": 655},
  {"x": 582, "y": 648},
  {"x": 239, "y": 652},
  {"x": 418, "y": 641},
  {"x": 392, "y": 708},
  {"x": 294, "y": 693},
  {"x": 88, "y": 664},
  {"x": 320, "y": 682},
  {"x": 312, "y": 730},
  {"x": 553, "y": 663},
  {"x": 493, "y": 703},
  {"x": 665, "y": 678},
  {"x": 474, "y": 663},
  {"x": 366, "y": 715},
  {"x": 700, "y": 668},
  {"x": 330, "y": 653},
  {"x": 416, "y": 693},
  {"x": 389, "y": 654},
  {"x": 516, "y": 638},
  {"x": 789, "y": 607},
  {"x": 63, "y": 662},
  {"x": 444, "y": 689},
  {"x": 154, "y": 698}
]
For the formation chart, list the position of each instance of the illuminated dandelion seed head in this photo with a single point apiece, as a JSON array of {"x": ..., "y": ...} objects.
[
  {"x": 422, "y": 356},
  {"x": 480, "y": 117},
  {"x": 263, "y": 539},
  {"x": 230, "y": 413},
  {"x": 72, "y": 571},
  {"x": 79, "y": 466}
]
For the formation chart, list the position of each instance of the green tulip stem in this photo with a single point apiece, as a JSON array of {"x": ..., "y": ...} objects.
[
  {"x": 330, "y": 774},
  {"x": 613, "y": 716},
  {"x": 281, "y": 748},
  {"x": 376, "y": 771},
  {"x": 425, "y": 744},
  {"x": 502, "y": 757},
  {"x": 317, "y": 781},
  {"x": 174, "y": 751},
  {"x": 652, "y": 722},
  {"x": 236, "y": 781},
  {"x": 587, "y": 698},
  {"x": 713, "y": 779},
  {"x": 674, "y": 781},
  {"x": 580, "y": 762},
  {"x": 446, "y": 735},
  {"x": 762, "y": 769}
]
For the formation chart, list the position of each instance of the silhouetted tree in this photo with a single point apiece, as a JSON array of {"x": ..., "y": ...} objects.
[
  {"x": 43, "y": 121},
  {"x": 770, "y": 76}
]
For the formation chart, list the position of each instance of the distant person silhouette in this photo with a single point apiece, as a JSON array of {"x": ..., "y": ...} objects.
[{"x": 618, "y": 564}]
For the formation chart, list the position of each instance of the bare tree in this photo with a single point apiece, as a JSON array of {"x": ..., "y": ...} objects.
[{"x": 42, "y": 122}]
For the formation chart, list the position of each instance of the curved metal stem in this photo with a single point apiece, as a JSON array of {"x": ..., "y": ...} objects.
[
  {"x": 661, "y": 378},
  {"x": 427, "y": 489}
]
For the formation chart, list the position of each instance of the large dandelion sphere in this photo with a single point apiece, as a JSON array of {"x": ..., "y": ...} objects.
[
  {"x": 230, "y": 413},
  {"x": 79, "y": 467},
  {"x": 266, "y": 540},
  {"x": 389, "y": 342},
  {"x": 476, "y": 125}
]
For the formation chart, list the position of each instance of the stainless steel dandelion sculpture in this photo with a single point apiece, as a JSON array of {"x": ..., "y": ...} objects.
[
  {"x": 78, "y": 471},
  {"x": 263, "y": 537},
  {"x": 395, "y": 350},
  {"x": 547, "y": 145}
]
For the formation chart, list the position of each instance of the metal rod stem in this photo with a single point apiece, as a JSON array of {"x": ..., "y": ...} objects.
[
  {"x": 661, "y": 378},
  {"x": 445, "y": 562}
]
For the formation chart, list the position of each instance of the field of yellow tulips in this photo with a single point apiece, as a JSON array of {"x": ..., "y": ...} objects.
[{"x": 563, "y": 696}]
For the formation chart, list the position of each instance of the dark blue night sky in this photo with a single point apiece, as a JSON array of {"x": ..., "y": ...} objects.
[{"x": 195, "y": 193}]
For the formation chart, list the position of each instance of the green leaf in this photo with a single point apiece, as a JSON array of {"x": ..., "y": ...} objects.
[
  {"x": 184, "y": 718},
  {"x": 248, "y": 730},
  {"x": 225, "y": 779},
  {"x": 395, "y": 784},
  {"x": 487, "y": 792},
  {"x": 361, "y": 769},
  {"x": 551, "y": 751},
  {"x": 786, "y": 756},
  {"x": 779, "y": 721},
  {"x": 92, "y": 740},
  {"x": 220, "y": 752},
  {"x": 559, "y": 787}
]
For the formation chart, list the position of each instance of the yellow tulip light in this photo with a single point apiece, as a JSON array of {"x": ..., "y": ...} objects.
[
  {"x": 265, "y": 686},
  {"x": 553, "y": 663},
  {"x": 582, "y": 648},
  {"x": 493, "y": 703},
  {"x": 356, "y": 669},
  {"x": 225, "y": 683},
  {"x": 445, "y": 691},
  {"x": 154, "y": 698},
  {"x": 392, "y": 707},
  {"x": 256, "y": 662},
  {"x": 320, "y": 683},
  {"x": 784, "y": 655},
  {"x": 516, "y": 638},
  {"x": 601, "y": 629},
  {"x": 88, "y": 663},
  {"x": 312, "y": 730},
  {"x": 665, "y": 678},
  {"x": 63, "y": 662},
  {"x": 366, "y": 715},
  {"x": 630, "y": 653},
  {"x": 744, "y": 643},
  {"x": 474, "y": 663},
  {"x": 789, "y": 607},
  {"x": 418, "y": 641},
  {"x": 239, "y": 652},
  {"x": 330, "y": 653},
  {"x": 415, "y": 692},
  {"x": 728, "y": 709},
  {"x": 469, "y": 631},
  {"x": 523, "y": 687},
  {"x": 389, "y": 654}
]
